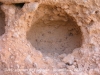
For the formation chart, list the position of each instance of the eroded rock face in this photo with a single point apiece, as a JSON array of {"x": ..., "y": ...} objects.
[
  {"x": 47, "y": 37},
  {"x": 54, "y": 31}
]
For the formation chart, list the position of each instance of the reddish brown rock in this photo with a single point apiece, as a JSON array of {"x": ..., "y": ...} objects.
[{"x": 36, "y": 35}]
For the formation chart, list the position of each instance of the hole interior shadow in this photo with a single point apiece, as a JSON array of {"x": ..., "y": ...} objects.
[{"x": 2, "y": 22}]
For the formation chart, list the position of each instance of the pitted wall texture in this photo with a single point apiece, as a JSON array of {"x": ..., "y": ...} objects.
[{"x": 18, "y": 56}]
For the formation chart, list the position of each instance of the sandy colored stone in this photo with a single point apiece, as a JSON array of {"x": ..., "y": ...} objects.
[
  {"x": 40, "y": 34},
  {"x": 68, "y": 59},
  {"x": 62, "y": 56}
]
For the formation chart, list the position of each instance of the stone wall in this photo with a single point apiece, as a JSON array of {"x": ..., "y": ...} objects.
[{"x": 49, "y": 37}]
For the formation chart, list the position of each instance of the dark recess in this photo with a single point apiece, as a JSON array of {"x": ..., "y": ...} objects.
[
  {"x": 1, "y": 3},
  {"x": 19, "y": 5},
  {"x": 2, "y": 21}
]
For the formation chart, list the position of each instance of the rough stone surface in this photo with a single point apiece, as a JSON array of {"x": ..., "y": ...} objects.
[{"x": 49, "y": 37}]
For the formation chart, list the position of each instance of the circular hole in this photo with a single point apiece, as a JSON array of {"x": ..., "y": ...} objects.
[
  {"x": 54, "y": 32},
  {"x": 2, "y": 22}
]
